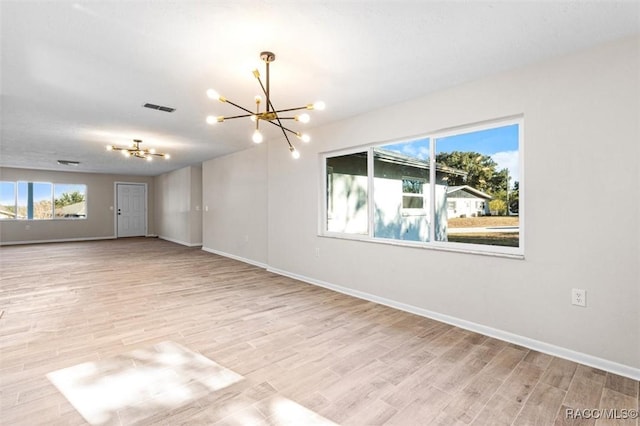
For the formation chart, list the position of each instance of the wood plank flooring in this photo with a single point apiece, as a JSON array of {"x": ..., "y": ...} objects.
[{"x": 299, "y": 348}]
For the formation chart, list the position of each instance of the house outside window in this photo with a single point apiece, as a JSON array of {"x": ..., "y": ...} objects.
[
  {"x": 347, "y": 193},
  {"x": 438, "y": 191}
]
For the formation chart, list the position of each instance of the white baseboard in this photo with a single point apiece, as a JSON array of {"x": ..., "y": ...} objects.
[
  {"x": 61, "y": 240},
  {"x": 184, "y": 243},
  {"x": 547, "y": 348},
  {"x": 233, "y": 256}
]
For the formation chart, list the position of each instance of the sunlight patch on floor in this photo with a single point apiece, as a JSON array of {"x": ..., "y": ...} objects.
[
  {"x": 283, "y": 411},
  {"x": 140, "y": 383}
]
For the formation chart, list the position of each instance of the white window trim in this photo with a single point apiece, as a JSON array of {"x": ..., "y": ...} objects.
[{"x": 489, "y": 250}]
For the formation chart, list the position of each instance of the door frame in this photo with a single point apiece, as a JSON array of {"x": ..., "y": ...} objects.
[{"x": 115, "y": 204}]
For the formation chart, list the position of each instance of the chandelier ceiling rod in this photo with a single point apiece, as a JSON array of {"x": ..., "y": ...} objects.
[
  {"x": 271, "y": 115},
  {"x": 269, "y": 57}
]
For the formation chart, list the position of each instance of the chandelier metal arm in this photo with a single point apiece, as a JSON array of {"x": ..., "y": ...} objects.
[
  {"x": 270, "y": 108},
  {"x": 282, "y": 127},
  {"x": 284, "y": 132},
  {"x": 265, "y": 91},
  {"x": 291, "y": 109},
  {"x": 239, "y": 107},
  {"x": 138, "y": 153},
  {"x": 285, "y": 136},
  {"x": 239, "y": 116}
]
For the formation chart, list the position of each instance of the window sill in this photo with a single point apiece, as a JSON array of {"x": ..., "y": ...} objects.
[{"x": 492, "y": 251}]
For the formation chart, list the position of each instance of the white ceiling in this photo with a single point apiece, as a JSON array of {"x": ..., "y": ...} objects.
[{"x": 76, "y": 74}]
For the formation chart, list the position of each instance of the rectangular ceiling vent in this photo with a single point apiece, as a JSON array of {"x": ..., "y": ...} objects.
[
  {"x": 159, "y": 107},
  {"x": 68, "y": 163}
]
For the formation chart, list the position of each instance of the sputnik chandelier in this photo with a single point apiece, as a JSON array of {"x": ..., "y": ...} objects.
[
  {"x": 270, "y": 115},
  {"x": 135, "y": 151}
]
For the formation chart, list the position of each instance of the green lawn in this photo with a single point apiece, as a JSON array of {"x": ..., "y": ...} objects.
[{"x": 508, "y": 239}]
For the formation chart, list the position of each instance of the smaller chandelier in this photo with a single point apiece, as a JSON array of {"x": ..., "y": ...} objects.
[
  {"x": 270, "y": 114},
  {"x": 135, "y": 151}
]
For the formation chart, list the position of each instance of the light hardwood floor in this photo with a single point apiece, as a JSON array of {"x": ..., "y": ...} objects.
[{"x": 295, "y": 345}]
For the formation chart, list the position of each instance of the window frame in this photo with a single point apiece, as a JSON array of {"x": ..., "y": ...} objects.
[
  {"x": 482, "y": 249},
  {"x": 52, "y": 199}
]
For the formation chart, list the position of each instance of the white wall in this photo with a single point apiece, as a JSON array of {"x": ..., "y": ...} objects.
[
  {"x": 235, "y": 201},
  {"x": 581, "y": 133},
  {"x": 178, "y": 206}
]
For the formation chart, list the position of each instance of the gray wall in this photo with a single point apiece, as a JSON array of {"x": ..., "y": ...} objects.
[
  {"x": 100, "y": 199},
  {"x": 178, "y": 201},
  {"x": 581, "y": 133},
  {"x": 235, "y": 202}
]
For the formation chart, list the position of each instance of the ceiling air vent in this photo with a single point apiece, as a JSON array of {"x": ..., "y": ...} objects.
[
  {"x": 159, "y": 107},
  {"x": 68, "y": 163}
]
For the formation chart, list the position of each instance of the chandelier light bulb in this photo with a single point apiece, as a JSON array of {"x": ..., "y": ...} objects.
[
  {"x": 258, "y": 99},
  {"x": 303, "y": 118},
  {"x": 167, "y": 156},
  {"x": 319, "y": 105},
  {"x": 148, "y": 158},
  {"x": 211, "y": 120},
  {"x": 294, "y": 153},
  {"x": 125, "y": 153},
  {"x": 109, "y": 147},
  {"x": 212, "y": 94},
  {"x": 257, "y": 136},
  {"x": 152, "y": 151},
  {"x": 303, "y": 137}
]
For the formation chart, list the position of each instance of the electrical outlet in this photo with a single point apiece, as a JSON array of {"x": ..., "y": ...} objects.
[{"x": 579, "y": 297}]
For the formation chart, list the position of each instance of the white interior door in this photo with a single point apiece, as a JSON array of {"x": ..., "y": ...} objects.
[{"x": 131, "y": 210}]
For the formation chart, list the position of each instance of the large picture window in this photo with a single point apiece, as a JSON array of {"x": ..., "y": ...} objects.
[
  {"x": 42, "y": 200},
  {"x": 455, "y": 190}
]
